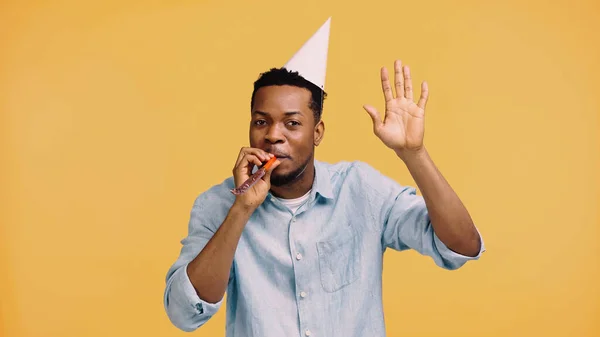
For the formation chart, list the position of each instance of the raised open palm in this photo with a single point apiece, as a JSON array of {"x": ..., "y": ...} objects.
[{"x": 403, "y": 125}]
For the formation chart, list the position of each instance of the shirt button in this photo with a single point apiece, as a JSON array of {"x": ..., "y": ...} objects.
[
  {"x": 303, "y": 294},
  {"x": 293, "y": 219},
  {"x": 307, "y": 332},
  {"x": 298, "y": 256}
]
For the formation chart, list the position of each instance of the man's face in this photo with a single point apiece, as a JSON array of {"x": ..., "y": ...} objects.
[{"x": 282, "y": 123}]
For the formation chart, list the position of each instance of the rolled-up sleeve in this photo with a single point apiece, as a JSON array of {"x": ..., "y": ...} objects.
[
  {"x": 404, "y": 219},
  {"x": 407, "y": 226},
  {"x": 185, "y": 309},
  {"x": 450, "y": 259}
]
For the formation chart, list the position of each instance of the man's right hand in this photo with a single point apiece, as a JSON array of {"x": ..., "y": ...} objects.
[{"x": 247, "y": 159}]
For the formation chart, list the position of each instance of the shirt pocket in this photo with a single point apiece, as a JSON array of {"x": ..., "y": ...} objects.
[{"x": 338, "y": 260}]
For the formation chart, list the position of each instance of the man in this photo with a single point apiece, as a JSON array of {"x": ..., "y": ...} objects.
[{"x": 300, "y": 253}]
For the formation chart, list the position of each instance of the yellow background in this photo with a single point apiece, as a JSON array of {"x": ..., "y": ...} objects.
[{"x": 116, "y": 115}]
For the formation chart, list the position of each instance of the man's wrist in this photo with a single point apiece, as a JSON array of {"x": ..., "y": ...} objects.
[
  {"x": 409, "y": 156},
  {"x": 241, "y": 209}
]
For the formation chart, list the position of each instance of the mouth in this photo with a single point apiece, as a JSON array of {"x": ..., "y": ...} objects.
[{"x": 279, "y": 155}]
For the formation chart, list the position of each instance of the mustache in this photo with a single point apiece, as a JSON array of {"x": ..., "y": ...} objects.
[{"x": 278, "y": 153}]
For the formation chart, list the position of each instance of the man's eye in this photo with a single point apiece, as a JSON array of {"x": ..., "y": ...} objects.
[
  {"x": 294, "y": 123},
  {"x": 260, "y": 122}
]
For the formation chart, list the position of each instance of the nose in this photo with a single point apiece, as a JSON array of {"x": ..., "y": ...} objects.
[{"x": 274, "y": 135}]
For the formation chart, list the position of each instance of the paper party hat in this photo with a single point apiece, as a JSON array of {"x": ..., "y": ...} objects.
[{"x": 310, "y": 61}]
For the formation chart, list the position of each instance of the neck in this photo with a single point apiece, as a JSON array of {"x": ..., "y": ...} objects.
[{"x": 297, "y": 188}]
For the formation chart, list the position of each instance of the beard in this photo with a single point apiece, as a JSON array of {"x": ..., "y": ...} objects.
[{"x": 288, "y": 178}]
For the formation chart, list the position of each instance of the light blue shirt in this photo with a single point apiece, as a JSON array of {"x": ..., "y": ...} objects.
[{"x": 315, "y": 273}]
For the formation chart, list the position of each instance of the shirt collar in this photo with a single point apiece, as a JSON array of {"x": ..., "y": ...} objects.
[{"x": 322, "y": 182}]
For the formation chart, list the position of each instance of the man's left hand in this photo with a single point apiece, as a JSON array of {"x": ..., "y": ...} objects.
[{"x": 402, "y": 128}]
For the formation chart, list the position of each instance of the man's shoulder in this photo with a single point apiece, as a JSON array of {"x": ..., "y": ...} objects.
[
  {"x": 211, "y": 206},
  {"x": 346, "y": 168},
  {"x": 216, "y": 195},
  {"x": 362, "y": 175}
]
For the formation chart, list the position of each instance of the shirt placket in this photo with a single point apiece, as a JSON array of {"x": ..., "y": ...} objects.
[{"x": 302, "y": 269}]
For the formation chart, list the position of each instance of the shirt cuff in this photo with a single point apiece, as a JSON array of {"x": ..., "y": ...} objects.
[
  {"x": 185, "y": 306},
  {"x": 452, "y": 259}
]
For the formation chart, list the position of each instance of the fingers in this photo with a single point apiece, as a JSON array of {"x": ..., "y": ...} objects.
[
  {"x": 398, "y": 78},
  {"x": 374, "y": 116},
  {"x": 402, "y": 82},
  {"x": 261, "y": 154},
  {"x": 245, "y": 165},
  {"x": 408, "y": 90},
  {"x": 424, "y": 95},
  {"x": 385, "y": 85},
  {"x": 248, "y": 157}
]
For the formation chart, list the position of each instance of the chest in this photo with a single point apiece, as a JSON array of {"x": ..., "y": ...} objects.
[{"x": 322, "y": 243}]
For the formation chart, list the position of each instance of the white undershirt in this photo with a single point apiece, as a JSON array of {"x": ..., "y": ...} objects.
[{"x": 294, "y": 204}]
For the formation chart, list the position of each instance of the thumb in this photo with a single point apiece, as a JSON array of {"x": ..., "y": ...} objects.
[
  {"x": 374, "y": 116},
  {"x": 267, "y": 176}
]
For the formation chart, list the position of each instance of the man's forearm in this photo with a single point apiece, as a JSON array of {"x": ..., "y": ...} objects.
[
  {"x": 209, "y": 271},
  {"x": 449, "y": 217}
]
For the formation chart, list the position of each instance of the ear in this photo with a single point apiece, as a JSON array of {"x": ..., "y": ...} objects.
[{"x": 319, "y": 132}]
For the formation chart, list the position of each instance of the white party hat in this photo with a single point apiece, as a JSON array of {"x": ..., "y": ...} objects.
[{"x": 310, "y": 61}]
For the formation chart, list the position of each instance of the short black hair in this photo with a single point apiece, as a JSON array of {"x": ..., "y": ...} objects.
[{"x": 283, "y": 76}]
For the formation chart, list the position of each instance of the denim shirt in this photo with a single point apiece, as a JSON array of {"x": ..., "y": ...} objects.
[{"x": 317, "y": 272}]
